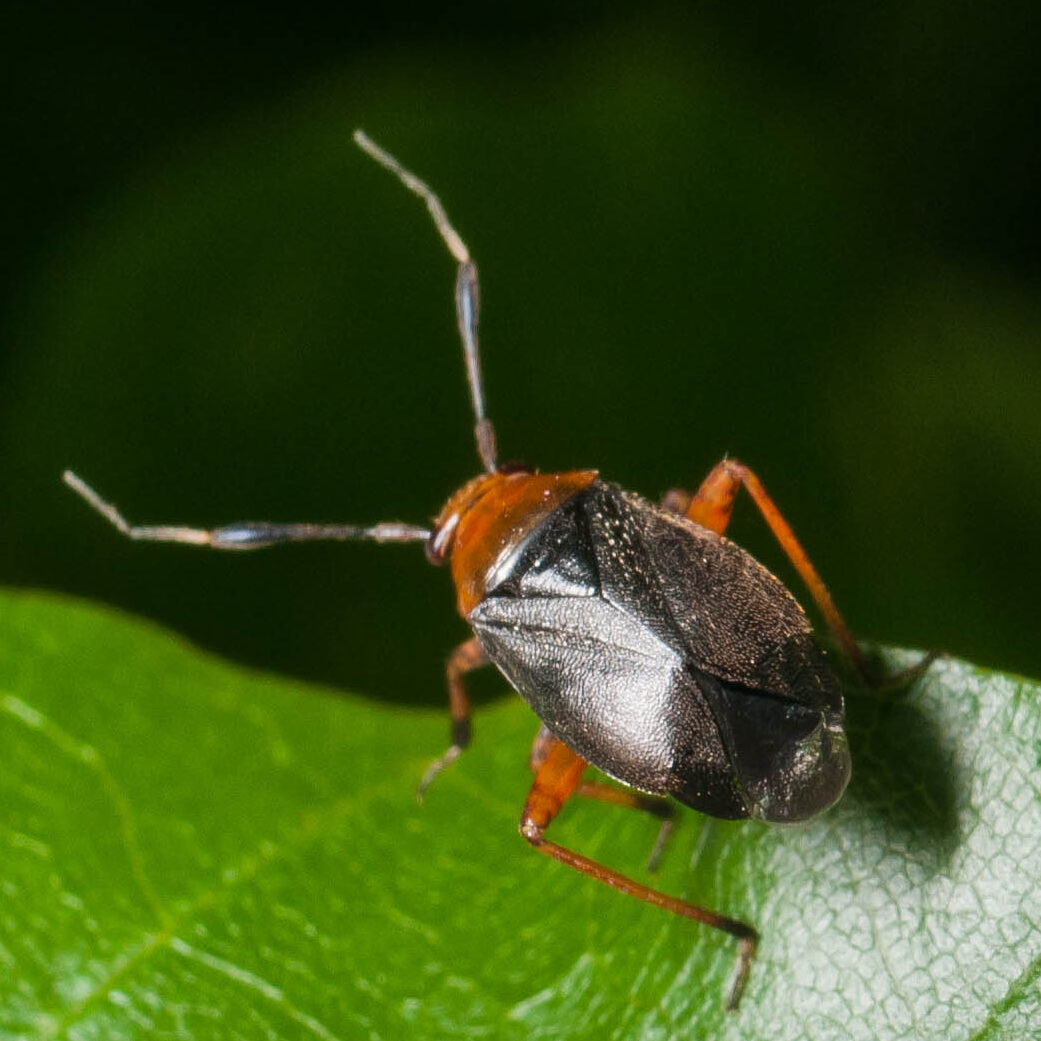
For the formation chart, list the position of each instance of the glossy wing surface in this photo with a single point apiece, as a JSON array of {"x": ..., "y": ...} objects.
[{"x": 609, "y": 689}]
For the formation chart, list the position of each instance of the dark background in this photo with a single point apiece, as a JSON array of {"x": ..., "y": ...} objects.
[{"x": 804, "y": 235}]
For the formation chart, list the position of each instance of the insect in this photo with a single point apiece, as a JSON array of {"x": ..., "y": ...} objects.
[{"x": 649, "y": 645}]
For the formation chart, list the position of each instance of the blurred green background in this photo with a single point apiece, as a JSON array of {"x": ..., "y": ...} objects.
[{"x": 805, "y": 235}]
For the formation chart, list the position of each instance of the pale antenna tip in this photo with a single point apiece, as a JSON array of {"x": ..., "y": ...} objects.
[
  {"x": 366, "y": 144},
  {"x": 82, "y": 489},
  {"x": 91, "y": 497}
]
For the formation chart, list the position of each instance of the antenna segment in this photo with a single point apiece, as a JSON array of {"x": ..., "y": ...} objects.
[{"x": 467, "y": 293}]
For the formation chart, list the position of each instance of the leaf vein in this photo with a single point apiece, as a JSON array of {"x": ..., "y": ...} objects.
[
  {"x": 266, "y": 852},
  {"x": 1016, "y": 993},
  {"x": 91, "y": 758},
  {"x": 255, "y": 983}
]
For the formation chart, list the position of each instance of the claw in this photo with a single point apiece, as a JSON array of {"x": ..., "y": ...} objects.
[{"x": 435, "y": 768}]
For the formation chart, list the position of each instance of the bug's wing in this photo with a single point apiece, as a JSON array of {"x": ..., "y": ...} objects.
[
  {"x": 602, "y": 680},
  {"x": 747, "y": 647},
  {"x": 789, "y": 761},
  {"x": 611, "y": 690},
  {"x": 727, "y": 614}
]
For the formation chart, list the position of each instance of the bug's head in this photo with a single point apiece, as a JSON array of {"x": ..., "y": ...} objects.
[
  {"x": 442, "y": 537},
  {"x": 489, "y": 518}
]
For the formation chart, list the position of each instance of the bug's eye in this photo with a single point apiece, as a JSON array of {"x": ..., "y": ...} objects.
[
  {"x": 514, "y": 466},
  {"x": 440, "y": 541}
]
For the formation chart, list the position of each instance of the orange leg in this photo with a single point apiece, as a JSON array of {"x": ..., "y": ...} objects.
[
  {"x": 652, "y": 804},
  {"x": 660, "y": 808},
  {"x": 540, "y": 748},
  {"x": 560, "y": 776},
  {"x": 712, "y": 506},
  {"x": 469, "y": 655}
]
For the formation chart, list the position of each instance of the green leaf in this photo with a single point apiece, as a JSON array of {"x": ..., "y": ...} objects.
[{"x": 191, "y": 850}]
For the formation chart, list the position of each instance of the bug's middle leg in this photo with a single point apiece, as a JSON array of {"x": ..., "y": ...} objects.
[
  {"x": 469, "y": 655},
  {"x": 560, "y": 776}
]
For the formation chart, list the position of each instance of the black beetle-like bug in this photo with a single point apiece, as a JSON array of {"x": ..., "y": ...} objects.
[
  {"x": 649, "y": 645},
  {"x": 668, "y": 658}
]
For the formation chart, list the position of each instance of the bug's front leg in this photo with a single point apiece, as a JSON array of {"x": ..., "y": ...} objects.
[
  {"x": 469, "y": 655},
  {"x": 558, "y": 777}
]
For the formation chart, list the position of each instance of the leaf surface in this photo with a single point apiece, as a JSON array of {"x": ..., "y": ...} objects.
[{"x": 192, "y": 850}]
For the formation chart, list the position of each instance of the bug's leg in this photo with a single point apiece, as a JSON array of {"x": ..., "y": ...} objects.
[
  {"x": 469, "y": 655},
  {"x": 248, "y": 534},
  {"x": 711, "y": 507},
  {"x": 540, "y": 748},
  {"x": 900, "y": 681},
  {"x": 660, "y": 808},
  {"x": 560, "y": 776}
]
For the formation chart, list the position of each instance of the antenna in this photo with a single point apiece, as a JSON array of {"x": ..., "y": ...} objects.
[
  {"x": 467, "y": 293},
  {"x": 247, "y": 534}
]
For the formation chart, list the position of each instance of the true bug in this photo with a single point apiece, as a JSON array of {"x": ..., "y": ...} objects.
[{"x": 649, "y": 645}]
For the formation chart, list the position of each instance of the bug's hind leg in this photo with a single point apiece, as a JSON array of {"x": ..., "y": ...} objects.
[
  {"x": 469, "y": 655},
  {"x": 652, "y": 804},
  {"x": 558, "y": 777}
]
